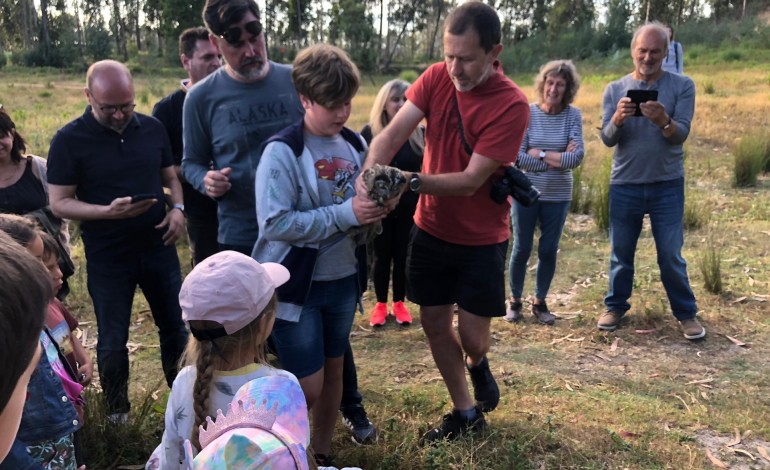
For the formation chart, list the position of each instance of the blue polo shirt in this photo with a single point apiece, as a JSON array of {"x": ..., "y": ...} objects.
[{"x": 105, "y": 165}]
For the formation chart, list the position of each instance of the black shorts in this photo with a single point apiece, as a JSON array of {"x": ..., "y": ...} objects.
[{"x": 443, "y": 273}]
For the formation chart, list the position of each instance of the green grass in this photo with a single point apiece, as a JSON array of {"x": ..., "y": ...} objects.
[{"x": 570, "y": 400}]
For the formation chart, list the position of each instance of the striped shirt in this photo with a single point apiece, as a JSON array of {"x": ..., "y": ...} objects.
[{"x": 552, "y": 132}]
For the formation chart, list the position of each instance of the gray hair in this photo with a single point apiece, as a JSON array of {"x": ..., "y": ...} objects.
[{"x": 656, "y": 26}]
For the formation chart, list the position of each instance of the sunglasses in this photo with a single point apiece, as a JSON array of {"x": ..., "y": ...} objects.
[{"x": 233, "y": 35}]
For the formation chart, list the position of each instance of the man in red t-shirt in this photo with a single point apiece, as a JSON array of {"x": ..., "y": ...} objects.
[{"x": 457, "y": 252}]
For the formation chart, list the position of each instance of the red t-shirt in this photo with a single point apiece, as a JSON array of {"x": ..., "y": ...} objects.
[{"x": 495, "y": 116}]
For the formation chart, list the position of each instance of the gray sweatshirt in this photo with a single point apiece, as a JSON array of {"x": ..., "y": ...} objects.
[{"x": 642, "y": 154}]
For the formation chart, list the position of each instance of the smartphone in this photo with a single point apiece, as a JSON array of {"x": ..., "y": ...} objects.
[
  {"x": 142, "y": 197},
  {"x": 641, "y": 96}
]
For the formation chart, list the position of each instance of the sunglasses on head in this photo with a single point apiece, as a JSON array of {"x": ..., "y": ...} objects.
[{"x": 233, "y": 35}]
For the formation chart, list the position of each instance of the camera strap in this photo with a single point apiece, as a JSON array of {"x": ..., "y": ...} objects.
[{"x": 460, "y": 127}]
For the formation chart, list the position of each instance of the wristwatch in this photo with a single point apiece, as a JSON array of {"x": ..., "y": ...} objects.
[
  {"x": 668, "y": 124},
  {"x": 414, "y": 183},
  {"x": 541, "y": 155},
  {"x": 180, "y": 207}
]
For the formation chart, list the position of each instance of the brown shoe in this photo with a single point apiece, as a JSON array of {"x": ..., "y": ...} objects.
[
  {"x": 543, "y": 315},
  {"x": 609, "y": 321},
  {"x": 692, "y": 329},
  {"x": 513, "y": 314}
]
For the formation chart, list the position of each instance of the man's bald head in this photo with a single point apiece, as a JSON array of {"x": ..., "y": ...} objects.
[
  {"x": 110, "y": 92},
  {"x": 107, "y": 74}
]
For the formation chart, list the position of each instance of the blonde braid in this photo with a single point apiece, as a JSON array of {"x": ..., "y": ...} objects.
[{"x": 202, "y": 389}]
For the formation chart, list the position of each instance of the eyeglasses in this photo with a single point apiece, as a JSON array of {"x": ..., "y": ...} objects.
[
  {"x": 233, "y": 35},
  {"x": 111, "y": 109}
]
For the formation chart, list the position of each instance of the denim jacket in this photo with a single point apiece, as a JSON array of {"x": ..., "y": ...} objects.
[{"x": 48, "y": 414}]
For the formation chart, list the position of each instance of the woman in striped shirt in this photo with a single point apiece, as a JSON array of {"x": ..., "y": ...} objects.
[{"x": 552, "y": 146}]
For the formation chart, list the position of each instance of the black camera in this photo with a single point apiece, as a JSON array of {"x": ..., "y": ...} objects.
[{"x": 514, "y": 183}]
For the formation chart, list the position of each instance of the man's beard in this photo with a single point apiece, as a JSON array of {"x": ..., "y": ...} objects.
[{"x": 250, "y": 74}]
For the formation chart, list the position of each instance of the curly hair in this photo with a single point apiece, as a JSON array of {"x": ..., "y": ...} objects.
[{"x": 559, "y": 68}]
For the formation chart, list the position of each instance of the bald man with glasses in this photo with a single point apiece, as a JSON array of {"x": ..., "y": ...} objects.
[{"x": 108, "y": 169}]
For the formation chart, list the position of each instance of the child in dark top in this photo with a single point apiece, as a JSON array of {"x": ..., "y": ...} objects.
[{"x": 390, "y": 245}]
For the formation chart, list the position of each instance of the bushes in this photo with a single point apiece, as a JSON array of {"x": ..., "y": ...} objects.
[
  {"x": 600, "y": 191},
  {"x": 751, "y": 156},
  {"x": 695, "y": 213},
  {"x": 710, "y": 263},
  {"x": 581, "y": 193}
]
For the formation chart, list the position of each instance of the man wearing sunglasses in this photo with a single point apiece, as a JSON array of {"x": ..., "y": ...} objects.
[
  {"x": 108, "y": 169},
  {"x": 229, "y": 115}
]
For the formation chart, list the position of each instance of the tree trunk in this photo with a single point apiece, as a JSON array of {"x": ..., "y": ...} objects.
[
  {"x": 45, "y": 39},
  {"x": 379, "y": 42},
  {"x": 29, "y": 27},
  {"x": 137, "y": 28},
  {"x": 398, "y": 39},
  {"x": 439, "y": 10}
]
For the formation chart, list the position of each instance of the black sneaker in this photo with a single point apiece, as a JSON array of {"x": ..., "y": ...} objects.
[
  {"x": 453, "y": 425},
  {"x": 323, "y": 460},
  {"x": 485, "y": 389},
  {"x": 362, "y": 429},
  {"x": 543, "y": 315}
]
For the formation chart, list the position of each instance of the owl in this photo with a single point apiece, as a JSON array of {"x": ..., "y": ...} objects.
[{"x": 382, "y": 183}]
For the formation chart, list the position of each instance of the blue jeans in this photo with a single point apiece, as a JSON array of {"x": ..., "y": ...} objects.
[
  {"x": 664, "y": 201},
  {"x": 551, "y": 217},
  {"x": 111, "y": 286},
  {"x": 323, "y": 328}
]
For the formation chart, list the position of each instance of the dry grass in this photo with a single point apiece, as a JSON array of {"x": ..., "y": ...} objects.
[{"x": 640, "y": 398}]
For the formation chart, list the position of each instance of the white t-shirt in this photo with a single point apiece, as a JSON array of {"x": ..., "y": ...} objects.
[{"x": 180, "y": 413}]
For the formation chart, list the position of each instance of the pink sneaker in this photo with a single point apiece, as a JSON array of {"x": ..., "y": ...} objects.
[
  {"x": 379, "y": 312},
  {"x": 401, "y": 313}
]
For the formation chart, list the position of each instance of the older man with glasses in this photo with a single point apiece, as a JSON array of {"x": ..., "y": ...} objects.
[{"x": 108, "y": 169}]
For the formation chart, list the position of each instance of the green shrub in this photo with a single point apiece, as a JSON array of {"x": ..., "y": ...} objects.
[
  {"x": 750, "y": 158},
  {"x": 600, "y": 189},
  {"x": 408, "y": 75},
  {"x": 710, "y": 262},
  {"x": 696, "y": 214},
  {"x": 732, "y": 55},
  {"x": 708, "y": 87},
  {"x": 144, "y": 96},
  {"x": 581, "y": 194},
  {"x": 137, "y": 438}
]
